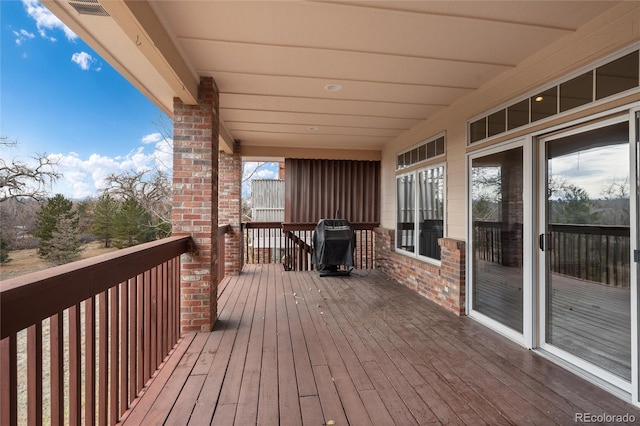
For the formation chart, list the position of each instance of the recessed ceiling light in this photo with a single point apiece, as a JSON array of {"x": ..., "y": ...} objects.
[
  {"x": 312, "y": 128},
  {"x": 539, "y": 99},
  {"x": 332, "y": 87}
]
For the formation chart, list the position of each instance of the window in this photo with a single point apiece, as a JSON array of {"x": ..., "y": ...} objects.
[
  {"x": 576, "y": 92},
  {"x": 612, "y": 78},
  {"x": 426, "y": 150},
  {"x": 420, "y": 212}
]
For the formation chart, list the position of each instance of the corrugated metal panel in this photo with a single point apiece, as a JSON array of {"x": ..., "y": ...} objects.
[
  {"x": 321, "y": 189},
  {"x": 267, "y": 193}
]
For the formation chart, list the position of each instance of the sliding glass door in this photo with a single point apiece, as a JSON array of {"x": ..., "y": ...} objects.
[{"x": 585, "y": 248}]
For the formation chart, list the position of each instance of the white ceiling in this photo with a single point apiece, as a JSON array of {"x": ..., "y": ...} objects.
[{"x": 397, "y": 62}]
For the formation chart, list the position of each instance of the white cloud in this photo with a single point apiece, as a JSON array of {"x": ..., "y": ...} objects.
[
  {"x": 592, "y": 169},
  {"x": 152, "y": 138},
  {"x": 83, "y": 59},
  {"x": 45, "y": 20},
  {"x": 85, "y": 177},
  {"x": 22, "y": 36}
]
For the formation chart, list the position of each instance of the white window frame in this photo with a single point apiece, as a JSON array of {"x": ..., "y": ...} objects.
[{"x": 416, "y": 200}]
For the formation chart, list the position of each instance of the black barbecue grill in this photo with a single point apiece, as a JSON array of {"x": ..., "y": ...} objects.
[{"x": 334, "y": 242}]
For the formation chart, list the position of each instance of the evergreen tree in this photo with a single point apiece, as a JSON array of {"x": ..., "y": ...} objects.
[
  {"x": 85, "y": 214},
  {"x": 105, "y": 215},
  {"x": 4, "y": 251},
  {"x": 47, "y": 220},
  {"x": 573, "y": 206},
  {"x": 64, "y": 246},
  {"x": 133, "y": 224}
]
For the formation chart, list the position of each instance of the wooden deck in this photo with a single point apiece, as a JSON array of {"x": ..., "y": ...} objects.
[{"x": 292, "y": 348}]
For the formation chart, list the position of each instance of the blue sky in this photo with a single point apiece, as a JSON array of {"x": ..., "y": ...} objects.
[{"x": 57, "y": 96}]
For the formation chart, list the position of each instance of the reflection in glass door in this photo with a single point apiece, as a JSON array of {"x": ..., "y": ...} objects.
[
  {"x": 497, "y": 187},
  {"x": 586, "y": 244}
]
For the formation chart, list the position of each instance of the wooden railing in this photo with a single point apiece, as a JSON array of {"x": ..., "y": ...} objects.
[
  {"x": 602, "y": 252},
  {"x": 599, "y": 253},
  {"x": 94, "y": 331},
  {"x": 291, "y": 244}
]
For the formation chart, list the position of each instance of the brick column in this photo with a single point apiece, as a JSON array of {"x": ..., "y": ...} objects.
[
  {"x": 230, "y": 208},
  {"x": 195, "y": 204}
]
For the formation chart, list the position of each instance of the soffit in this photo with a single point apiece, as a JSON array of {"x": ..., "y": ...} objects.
[{"x": 398, "y": 62}]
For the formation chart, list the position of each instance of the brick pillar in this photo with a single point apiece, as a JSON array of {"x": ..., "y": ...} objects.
[
  {"x": 512, "y": 188},
  {"x": 230, "y": 208},
  {"x": 195, "y": 204}
]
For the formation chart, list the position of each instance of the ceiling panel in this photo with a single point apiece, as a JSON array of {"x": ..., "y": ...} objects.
[
  {"x": 310, "y": 119},
  {"x": 312, "y": 130},
  {"x": 318, "y": 105},
  {"x": 321, "y": 63},
  {"x": 398, "y": 62},
  {"x": 352, "y": 90}
]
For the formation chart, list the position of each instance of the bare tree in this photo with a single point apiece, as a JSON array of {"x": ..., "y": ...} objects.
[
  {"x": 21, "y": 180},
  {"x": 152, "y": 189}
]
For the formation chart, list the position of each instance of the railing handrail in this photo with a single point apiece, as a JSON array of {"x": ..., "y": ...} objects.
[
  {"x": 304, "y": 226},
  {"x": 309, "y": 226},
  {"x": 30, "y": 298},
  {"x": 571, "y": 228}
]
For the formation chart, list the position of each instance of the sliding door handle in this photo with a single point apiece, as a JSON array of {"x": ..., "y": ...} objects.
[{"x": 541, "y": 241}]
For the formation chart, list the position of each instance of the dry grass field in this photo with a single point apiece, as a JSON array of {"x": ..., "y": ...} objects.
[{"x": 26, "y": 261}]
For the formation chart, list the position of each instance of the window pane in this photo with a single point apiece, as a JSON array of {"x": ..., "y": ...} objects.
[
  {"x": 440, "y": 146},
  {"x": 405, "y": 227},
  {"x": 544, "y": 104},
  {"x": 617, "y": 76},
  {"x": 518, "y": 114},
  {"x": 422, "y": 153},
  {"x": 478, "y": 130},
  {"x": 431, "y": 211},
  {"x": 431, "y": 149},
  {"x": 577, "y": 91},
  {"x": 497, "y": 123},
  {"x": 497, "y": 185},
  {"x": 400, "y": 161}
]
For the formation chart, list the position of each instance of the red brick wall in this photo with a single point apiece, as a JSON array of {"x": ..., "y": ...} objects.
[
  {"x": 229, "y": 207},
  {"x": 444, "y": 285},
  {"x": 195, "y": 204}
]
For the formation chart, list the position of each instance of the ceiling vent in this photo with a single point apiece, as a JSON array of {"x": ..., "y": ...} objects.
[{"x": 88, "y": 7}]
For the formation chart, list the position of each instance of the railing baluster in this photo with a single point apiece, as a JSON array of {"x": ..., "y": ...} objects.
[
  {"x": 165, "y": 329},
  {"x": 141, "y": 331},
  {"x": 75, "y": 366},
  {"x": 56, "y": 333},
  {"x": 114, "y": 352},
  {"x": 34, "y": 374},
  {"x": 103, "y": 361},
  {"x": 133, "y": 338},
  {"x": 170, "y": 306},
  {"x": 90, "y": 361},
  {"x": 9, "y": 380},
  {"x": 153, "y": 360},
  {"x": 147, "y": 326},
  {"x": 124, "y": 347}
]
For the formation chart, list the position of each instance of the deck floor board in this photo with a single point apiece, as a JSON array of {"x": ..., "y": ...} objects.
[{"x": 294, "y": 348}]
